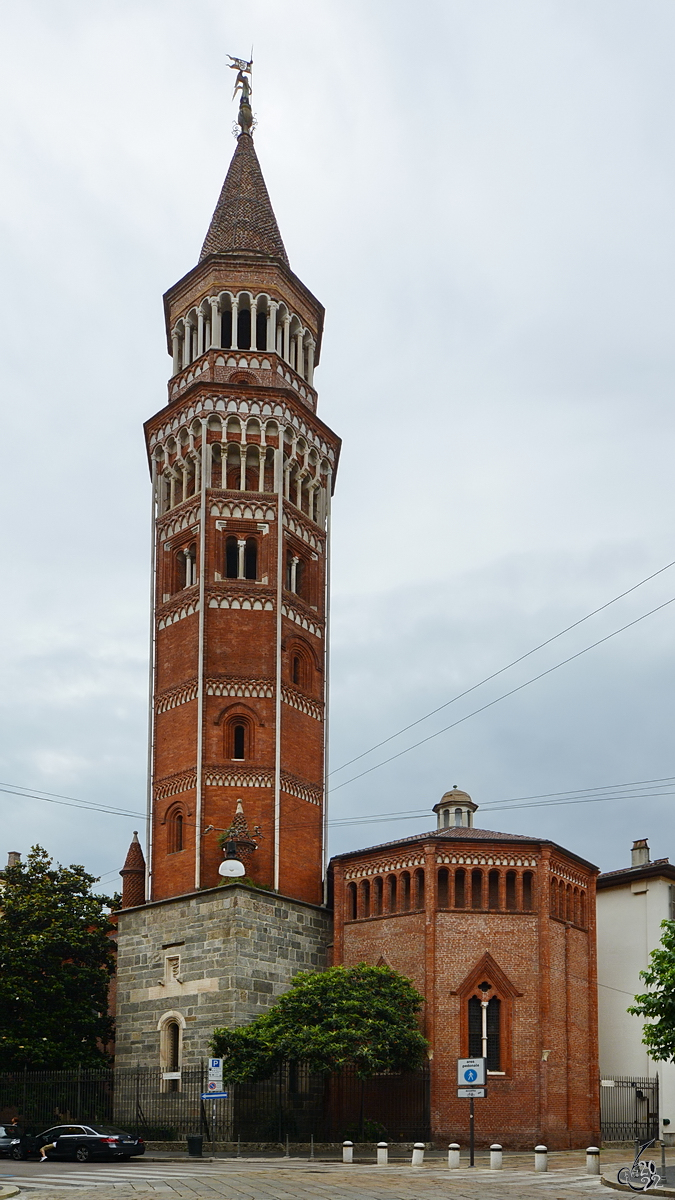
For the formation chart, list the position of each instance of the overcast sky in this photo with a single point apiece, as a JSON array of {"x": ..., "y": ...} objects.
[{"x": 481, "y": 194}]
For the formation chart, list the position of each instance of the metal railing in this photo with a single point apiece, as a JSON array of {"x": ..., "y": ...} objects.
[
  {"x": 294, "y": 1104},
  {"x": 629, "y": 1108}
]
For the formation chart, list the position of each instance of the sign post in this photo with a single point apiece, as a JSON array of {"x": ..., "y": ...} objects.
[
  {"x": 471, "y": 1079},
  {"x": 214, "y": 1091}
]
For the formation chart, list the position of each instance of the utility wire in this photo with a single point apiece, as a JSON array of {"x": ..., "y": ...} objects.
[
  {"x": 504, "y": 695},
  {"x": 501, "y": 670}
]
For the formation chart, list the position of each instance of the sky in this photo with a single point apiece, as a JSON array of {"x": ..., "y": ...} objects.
[{"x": 481, "y": 194}]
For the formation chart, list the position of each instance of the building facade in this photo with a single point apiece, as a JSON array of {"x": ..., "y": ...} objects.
[
  {"x": 496, "y": 923},
  {"x": 632, "y": 903}
]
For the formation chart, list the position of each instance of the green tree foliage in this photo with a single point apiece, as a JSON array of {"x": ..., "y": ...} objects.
[
  {"x": 55, "y": 966},
  {"x": 365, "y": 1016},
  {"x": 658, "y": 1005}
]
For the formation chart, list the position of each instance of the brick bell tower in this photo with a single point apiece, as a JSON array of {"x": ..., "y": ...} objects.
[{"x": 242, "y": 475}]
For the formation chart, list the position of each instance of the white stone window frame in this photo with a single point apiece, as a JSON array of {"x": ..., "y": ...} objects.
[{"x": 172, "y": 1017}]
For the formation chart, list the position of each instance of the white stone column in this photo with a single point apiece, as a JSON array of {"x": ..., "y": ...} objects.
[
  {"x": 300, "y": 354},
  {"x": 188, "y": 568},
  {"x": 262, "y": 455},
  {"x": 187, "y": 344},
  {"x": 242, "y": 469},
  {"x": 298, "y": 489},
  {"x": 272, "y": 326},
  {"x": 287, "y": 338},
  {"x": 254, "y": 319},
  {"x": 200, "y": 333},
  {"x": 175, "y": 344},
  {"x": 215, "y": 321},
  {"x": 294, "y": 571},
  {"x": 310, "y": 362},
  {"x": 241, "y": 547},
  {"x": 172, "y": 489},
  {"x": 235, "y": 314}
]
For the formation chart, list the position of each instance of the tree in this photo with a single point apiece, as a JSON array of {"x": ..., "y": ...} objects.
[
  {"x": 56, "y": 960},
  {"x": 365, "y": 1016},
  {"x": 658, "y": 1005}
]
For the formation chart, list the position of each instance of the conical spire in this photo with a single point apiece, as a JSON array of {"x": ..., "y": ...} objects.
[
  {"x": 244, "y": 218},
  {"x": 133, "y": 875}
]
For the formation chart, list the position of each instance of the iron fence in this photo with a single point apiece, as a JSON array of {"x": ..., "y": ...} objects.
[
  {"x": 629, "y": 1108},
  {"x": 294, "y": 1104}
]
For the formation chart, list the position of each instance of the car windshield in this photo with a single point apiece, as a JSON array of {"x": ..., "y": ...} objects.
[{"x": 109, "y": 1131}]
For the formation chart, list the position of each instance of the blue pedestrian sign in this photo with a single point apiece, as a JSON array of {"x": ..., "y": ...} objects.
[{"x": 471, "y": 1072}]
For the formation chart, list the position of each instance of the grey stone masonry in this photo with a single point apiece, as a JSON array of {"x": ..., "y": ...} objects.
[{"x": 217, "y": 957}]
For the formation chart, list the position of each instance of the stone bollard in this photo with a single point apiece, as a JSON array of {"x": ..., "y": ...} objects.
[
  {"x": 453, "y": 1156},
  {"x": 382, "y": 1154},
  {"x": 592, "y": 1161},
  {"x": 347, "y": 1152},
  {"x": 495, "y": 1157},
  {"x": 540, "y": 1158},
  {"x": 418, "y": 1154}
]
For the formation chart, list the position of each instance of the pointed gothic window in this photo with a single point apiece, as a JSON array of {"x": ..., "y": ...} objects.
[
  {"x": 492, "y": 1029},
  {"x": 239, "y": 741}
]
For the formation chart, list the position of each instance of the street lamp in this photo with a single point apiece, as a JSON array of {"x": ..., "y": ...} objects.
[{"x": 231, "y": 866}]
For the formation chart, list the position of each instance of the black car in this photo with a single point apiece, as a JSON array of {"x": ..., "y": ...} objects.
[{"x": 81, "y": 1142}]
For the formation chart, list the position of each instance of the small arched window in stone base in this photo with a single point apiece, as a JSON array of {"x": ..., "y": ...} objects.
[{"x": 171, "y": 1028}]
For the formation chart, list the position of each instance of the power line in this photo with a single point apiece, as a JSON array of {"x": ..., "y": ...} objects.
[
  {"x": 501, "y": 670},
  {"x": 504, "y": 695},
  {"x": 16, "y": 789}
]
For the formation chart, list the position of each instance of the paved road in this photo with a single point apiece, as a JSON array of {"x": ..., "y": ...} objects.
[{"x": 295, "y": 1179}]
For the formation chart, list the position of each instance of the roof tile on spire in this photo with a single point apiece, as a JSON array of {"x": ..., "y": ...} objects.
[
  {"x": 243, "y": 217},
  {"x": 133, "y": 875}
]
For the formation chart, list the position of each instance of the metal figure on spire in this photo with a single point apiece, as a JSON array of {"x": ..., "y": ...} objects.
[{"x": 242, "y": 84}]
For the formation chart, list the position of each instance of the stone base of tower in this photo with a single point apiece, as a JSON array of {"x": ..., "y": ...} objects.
[{"x": 216, "y": 957}]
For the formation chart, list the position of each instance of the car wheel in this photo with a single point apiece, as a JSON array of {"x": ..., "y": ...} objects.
[
  {"x": 18, "y": 1154},
  {"x": 82, "y": 1154}
]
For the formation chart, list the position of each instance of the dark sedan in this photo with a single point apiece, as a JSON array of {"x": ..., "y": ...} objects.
[{"x": 80, "y": 1142}]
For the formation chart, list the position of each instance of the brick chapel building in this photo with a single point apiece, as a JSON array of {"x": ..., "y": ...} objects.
[
  {"x": 242, "y": 471},
  {"x": 473, "y": 916}
]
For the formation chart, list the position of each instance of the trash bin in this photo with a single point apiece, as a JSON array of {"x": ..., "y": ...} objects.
[{"x": 195, "y": 1142}]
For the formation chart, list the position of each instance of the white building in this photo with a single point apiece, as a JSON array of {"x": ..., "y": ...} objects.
[{"x": 631, "y": 904}]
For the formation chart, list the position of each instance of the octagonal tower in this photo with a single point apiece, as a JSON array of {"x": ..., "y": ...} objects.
[{"x": 243, "y": 471}]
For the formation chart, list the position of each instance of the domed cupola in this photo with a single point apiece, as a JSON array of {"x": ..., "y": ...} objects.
[{"x": 455, "y": 809}]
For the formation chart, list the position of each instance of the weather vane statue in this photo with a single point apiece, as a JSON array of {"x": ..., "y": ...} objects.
[{"x": 242, "y": 84}]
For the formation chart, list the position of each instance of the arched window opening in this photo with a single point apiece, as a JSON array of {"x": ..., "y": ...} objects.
[
  {"x": 251, "y": 559},
  {"x": 226, "y": 329},
  {"x": 446, "y": 818},
  {"x": 377, "y": 897},
  {"x": 569, "y": 912},
  {"x": 460, "y": 888},
  {"x": 261, "y": 331},
  {"x": 576, "y": 906},
  {"x": 300, "y": 578},
  {"x": 528, "y": 891},
  {"x": 419, "y": 888},
  {"x": 180, "y": 570},
  {"x": 268, "y": 482},
  {"x": 297, "y": 669},
  {"x": 170, "y": 1053},
  {"x": 458, "y": 817},
  {"x": 289, "y": 571},
  {"x": 561, "y": 900},
  {"x": 582, "y": 911},
  {"x": 175, "y": 832},
  {"x": 351, "y": 901},
  {"x": 173, "y": 1032},
  {"x": 239, "y": 741},
  {"x": 391, "y": 894},
  {"x": 554, "y": 897},
  {"x": 231, "y": 558},
  {"x": 443, "y": 887},
  {"x": 233, "y": 467},
  {"x": 476, "y": 889},
  {"x": 511, "y": 891},
  {"x": 405, "y": 891},
  {"x": 484, "y": 1023},
  {"x": 365, "y": 898},
  {"x": 244, "y": 329},
  {"x": 493, "y": 889},
  {"x": 216, "y": 466}
]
